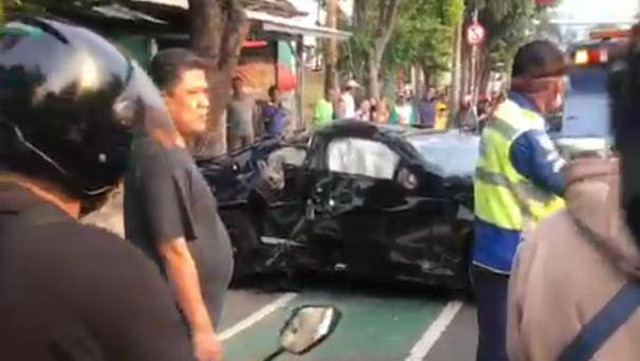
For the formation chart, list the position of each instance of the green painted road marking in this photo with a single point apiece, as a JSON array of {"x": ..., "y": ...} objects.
[{"x": 373, "y": 328}]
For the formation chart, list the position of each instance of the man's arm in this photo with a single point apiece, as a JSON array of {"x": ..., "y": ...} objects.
[
  {"x": 171, "y": 227},
  {"x": 535, "y": 157},
  {"x": 183, "y": 275}
]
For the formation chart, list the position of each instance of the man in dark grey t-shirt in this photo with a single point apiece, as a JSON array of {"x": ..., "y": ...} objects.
[{"x": 170, "y": 212}]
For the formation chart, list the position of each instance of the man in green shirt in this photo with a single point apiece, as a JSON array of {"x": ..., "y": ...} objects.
[{"x": 324, "y": 110}]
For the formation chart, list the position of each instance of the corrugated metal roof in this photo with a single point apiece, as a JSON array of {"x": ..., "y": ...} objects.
[
  {"x": 292, "y": 26},
  {"x": 124, "y": 13}
]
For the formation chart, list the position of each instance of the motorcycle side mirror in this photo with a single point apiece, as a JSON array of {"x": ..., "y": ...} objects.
[{"x": 308, "y": 327}]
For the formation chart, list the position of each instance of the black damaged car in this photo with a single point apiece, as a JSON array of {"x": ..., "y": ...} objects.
[{"x": 370, "y": 201}]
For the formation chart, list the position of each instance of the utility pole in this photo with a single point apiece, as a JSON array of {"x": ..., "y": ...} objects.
[{"x": 331, "y": 56}]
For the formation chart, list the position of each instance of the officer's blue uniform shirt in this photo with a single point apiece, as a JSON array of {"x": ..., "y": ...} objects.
[{"x": 533, "y": 156}]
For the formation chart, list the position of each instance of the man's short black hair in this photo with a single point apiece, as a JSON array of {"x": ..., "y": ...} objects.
[
  {"x": 168, "y": 64},
  {"x": 539, "y": 59}
]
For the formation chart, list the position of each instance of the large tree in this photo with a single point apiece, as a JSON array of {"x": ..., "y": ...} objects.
[
  {"x": 218, "y": 30},
  {"x": 373, "y": 25},
  {"x": 424, "y": 35}
]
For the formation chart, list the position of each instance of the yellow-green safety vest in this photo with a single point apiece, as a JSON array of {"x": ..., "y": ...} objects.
[{"x": 504, "y": 197}]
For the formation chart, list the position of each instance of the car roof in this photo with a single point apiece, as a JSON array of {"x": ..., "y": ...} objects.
[{"x": 350, "y": 127}]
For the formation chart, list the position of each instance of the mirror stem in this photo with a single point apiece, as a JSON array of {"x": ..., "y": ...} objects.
[{"x": 275, "y": 355}]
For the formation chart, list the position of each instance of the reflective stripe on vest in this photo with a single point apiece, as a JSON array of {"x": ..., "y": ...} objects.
[{"x": 503, "y": 197}]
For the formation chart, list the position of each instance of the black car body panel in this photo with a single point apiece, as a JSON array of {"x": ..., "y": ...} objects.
[{"x": 356, "y": 198}]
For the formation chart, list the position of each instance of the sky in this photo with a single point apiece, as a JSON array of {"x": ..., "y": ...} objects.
[{"x": 598, "y": 10}]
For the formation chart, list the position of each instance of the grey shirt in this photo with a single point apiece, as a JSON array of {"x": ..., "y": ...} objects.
[
  {"x": 240, "y": 113},
  {"x": 166, "y": 197}
]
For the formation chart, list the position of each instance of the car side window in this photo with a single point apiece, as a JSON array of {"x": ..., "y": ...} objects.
[{"x": 362, "y": 157}]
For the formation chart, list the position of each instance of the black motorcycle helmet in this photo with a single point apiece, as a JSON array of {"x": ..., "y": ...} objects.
[{"x": 70, "y": 105}]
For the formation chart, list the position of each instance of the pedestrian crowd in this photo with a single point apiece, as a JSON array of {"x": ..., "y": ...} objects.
[{"x": 429, "y": 110}]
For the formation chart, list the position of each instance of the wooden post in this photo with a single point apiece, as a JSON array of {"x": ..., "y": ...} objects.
[{"x": 300, "y": 84}]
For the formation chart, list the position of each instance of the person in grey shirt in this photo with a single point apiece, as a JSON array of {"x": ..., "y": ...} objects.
[
  {"x": 170, "y": 212},
  {"x": 241, "y": 114}
]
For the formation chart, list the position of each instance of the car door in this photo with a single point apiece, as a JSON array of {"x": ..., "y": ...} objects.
[
  {"x": 372, "y": 212},
  {"x": 285, "y": 208}
]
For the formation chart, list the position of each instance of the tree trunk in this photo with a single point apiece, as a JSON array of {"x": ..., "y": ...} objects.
[
  {"x": 331, "y": 56},
  {"x": 373, "y": 77},
  {"x": 218, "y": 30},
  {"x": 388, "y": 10},
  {"x": 484, "y": 69}
]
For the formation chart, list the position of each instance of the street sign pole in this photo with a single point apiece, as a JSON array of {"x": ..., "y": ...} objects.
[
  {"x": 474, "y": 68},
  {"x": 475, "y": 37}
]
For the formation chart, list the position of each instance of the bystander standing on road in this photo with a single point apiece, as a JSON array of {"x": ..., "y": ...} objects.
[
  {"x": 574, "y": 291},
  {"x": 70, "y": 291},
  {"x": 518, "y": 181},
  {"x": 364, "y": 111},
  {"x": 348, "y": 97},
  {"x": 383, "y": 111},
  {"x": 442, "y": 114},
  {"x": 241, "y": 114},
  {"x": 170, "y": 212},
  {"x": 466, "y": 118},
  {"x": 274, "y": 114},
  {"x": 324, "y": 109},
  {"x": 403, "y": 112},
  {"x": 427, "y": 108}
]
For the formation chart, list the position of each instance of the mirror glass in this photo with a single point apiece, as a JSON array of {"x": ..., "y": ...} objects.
[{"x": 308, "y": 327}]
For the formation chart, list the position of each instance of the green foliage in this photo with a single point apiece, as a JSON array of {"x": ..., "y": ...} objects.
[
  {"x": 423, "y": 35},
  {"x": 508, "y": 23}
]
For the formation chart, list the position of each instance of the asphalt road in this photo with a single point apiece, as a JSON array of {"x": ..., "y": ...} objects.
[{"x": 378, "y": 323}]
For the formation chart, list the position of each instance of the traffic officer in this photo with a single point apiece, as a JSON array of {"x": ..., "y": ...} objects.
[
  {"x": 518, "y": 181},
  {"x": 69, "y": 104}
]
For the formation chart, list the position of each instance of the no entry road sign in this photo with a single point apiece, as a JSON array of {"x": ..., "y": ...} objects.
[{"x": 475, "y": 34}]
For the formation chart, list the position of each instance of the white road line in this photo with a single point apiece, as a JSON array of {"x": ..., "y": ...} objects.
[
  {"x": 433, "y": 333},
  {"x": 257, "y": 316}
]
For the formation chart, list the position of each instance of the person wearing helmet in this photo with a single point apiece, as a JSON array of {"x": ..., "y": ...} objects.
[
  {"x": 170, "y": 211},
  {"x": 70, "y": 104}
]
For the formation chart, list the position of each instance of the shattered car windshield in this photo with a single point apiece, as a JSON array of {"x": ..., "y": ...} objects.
[{"x": 451, "y": 154}]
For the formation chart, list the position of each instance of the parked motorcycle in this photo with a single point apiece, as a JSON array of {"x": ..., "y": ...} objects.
[{"x": 306, "y": 328}]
